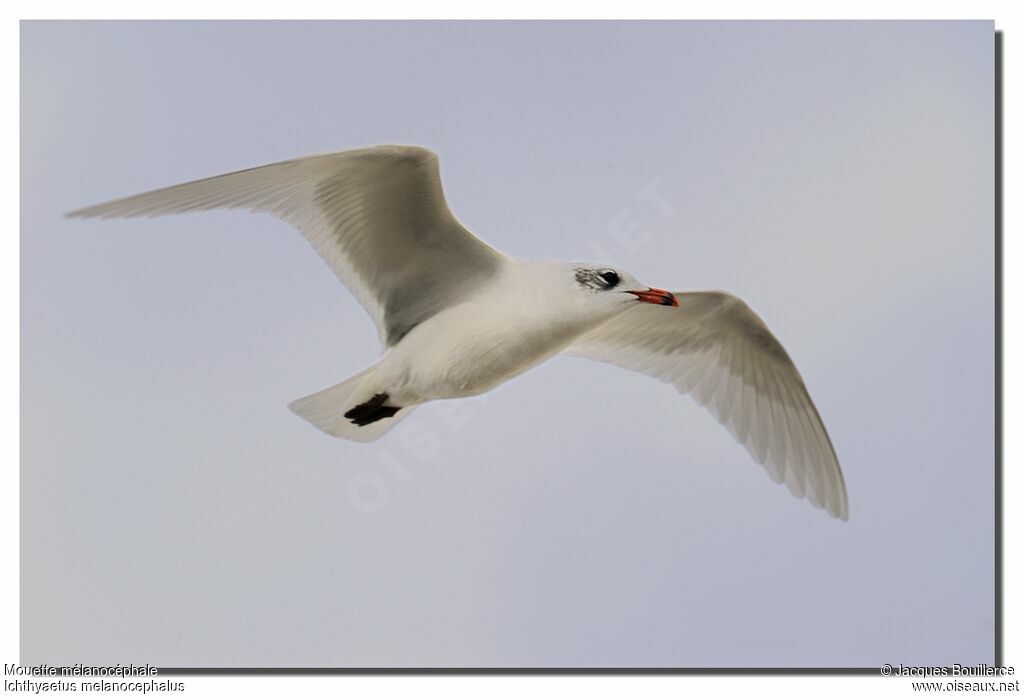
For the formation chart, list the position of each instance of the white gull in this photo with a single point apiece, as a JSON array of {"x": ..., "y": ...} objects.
[{"x": 457, "y": 318}]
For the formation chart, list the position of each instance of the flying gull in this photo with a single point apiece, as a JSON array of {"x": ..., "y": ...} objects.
[{"x": 458, "y": 318}]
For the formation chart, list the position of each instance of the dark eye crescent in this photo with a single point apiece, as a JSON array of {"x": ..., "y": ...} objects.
[{"x": 610, "y": 278}]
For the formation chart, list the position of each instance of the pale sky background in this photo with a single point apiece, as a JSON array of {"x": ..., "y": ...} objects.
[{"x": 838, "y": 177}]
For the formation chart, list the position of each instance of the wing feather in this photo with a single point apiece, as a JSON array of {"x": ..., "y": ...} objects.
[
  {"x": 377, "y": 216},
  {"x": 719, "y": 351}
]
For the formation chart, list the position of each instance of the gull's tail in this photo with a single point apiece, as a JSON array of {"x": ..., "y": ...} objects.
[{"x": 356, "y": 409}]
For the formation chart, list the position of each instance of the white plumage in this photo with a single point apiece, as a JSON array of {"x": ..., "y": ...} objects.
[{"x": 457, "y": 318}]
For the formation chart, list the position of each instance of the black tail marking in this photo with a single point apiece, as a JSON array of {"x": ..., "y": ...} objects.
[{"x": 371, "y": 410}]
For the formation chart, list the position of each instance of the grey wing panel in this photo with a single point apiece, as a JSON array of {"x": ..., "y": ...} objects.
[
  {"x": 719, "y": 351},
  {"x": 387, "y": 212},
  {"x": 377, "y": 216}
]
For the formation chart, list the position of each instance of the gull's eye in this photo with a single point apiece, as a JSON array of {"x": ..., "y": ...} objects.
[{"x": 610, "y": 278}]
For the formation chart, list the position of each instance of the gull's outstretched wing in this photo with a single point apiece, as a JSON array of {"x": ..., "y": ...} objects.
[
  {"x": 377, "y": 216},
  {"x": 716, "y": 349}
]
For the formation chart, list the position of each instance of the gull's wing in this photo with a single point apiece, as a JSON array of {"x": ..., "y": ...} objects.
[
  {"x": 716, "y": 349},
  {"x": 377, "y": 216}
]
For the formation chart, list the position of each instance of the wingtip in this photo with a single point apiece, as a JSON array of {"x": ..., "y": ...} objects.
[
  {"x": 842, "y": 515},
  {"x": 80, "y": 213},
  {"x": 103, "y": 212}
]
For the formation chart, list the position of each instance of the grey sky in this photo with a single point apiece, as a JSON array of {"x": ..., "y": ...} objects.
[{"x": 837, "y": 176}]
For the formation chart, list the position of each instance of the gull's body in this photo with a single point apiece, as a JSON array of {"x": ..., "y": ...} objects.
[
  {"x": 457, "y": 318},
  {"x": 499, "y": 332}
]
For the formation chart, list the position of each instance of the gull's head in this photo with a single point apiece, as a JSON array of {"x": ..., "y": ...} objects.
[
  {"x": 584, "y": 292},
  {"x": 612, "y": 287}
]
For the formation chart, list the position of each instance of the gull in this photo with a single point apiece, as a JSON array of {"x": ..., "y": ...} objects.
[{"x": 457, "y": 318}]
